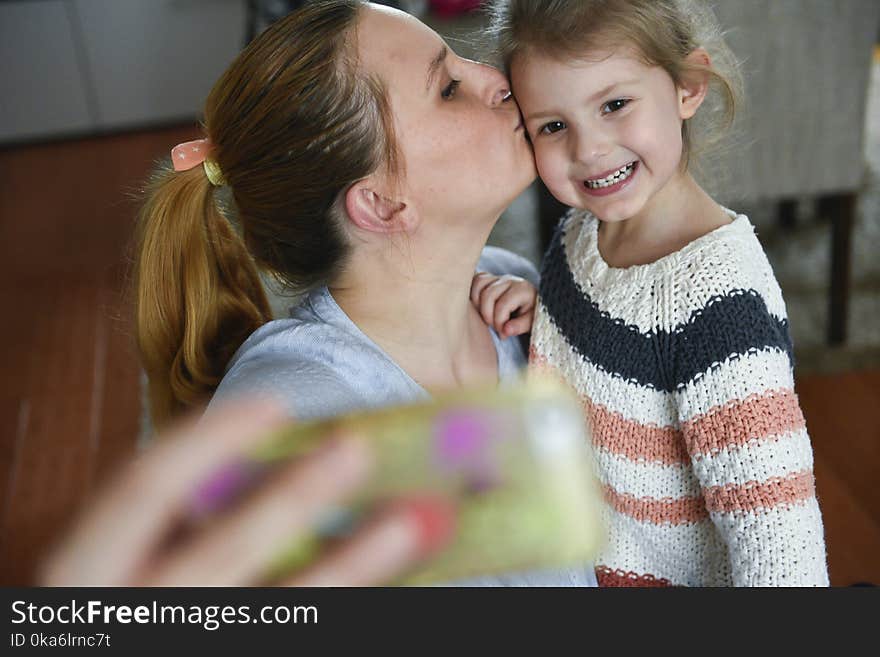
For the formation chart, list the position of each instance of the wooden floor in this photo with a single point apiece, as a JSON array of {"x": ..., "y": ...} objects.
[{"x": 69, "y": 397}]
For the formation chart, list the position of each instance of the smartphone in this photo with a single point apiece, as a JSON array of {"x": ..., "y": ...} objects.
[{"x": 513, "y": 459}]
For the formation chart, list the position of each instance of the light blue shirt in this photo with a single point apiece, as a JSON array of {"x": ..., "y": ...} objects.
[{"x": 320, "y": 364}]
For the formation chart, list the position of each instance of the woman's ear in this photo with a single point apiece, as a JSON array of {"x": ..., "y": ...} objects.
[
  {"x": 371, "y": 209},
  {"x": 694, "y": 84}
]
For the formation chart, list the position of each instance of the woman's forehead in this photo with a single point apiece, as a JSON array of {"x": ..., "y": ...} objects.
[{"x": 397, "y": 46}]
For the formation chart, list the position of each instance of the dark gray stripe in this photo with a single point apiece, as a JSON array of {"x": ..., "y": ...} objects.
[{"x": 729, "y": 326}]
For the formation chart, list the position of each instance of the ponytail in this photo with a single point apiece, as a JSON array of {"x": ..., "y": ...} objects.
[
  {"x": 293, "y": 122},
  {"x": 196, "y": 288}
]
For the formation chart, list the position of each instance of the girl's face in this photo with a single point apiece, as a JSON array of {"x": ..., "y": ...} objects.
[
  {"x": 606, "y": 130},
  {"x": 464, "y": 150}
]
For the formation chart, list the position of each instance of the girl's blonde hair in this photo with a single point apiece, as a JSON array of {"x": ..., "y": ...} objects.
[
  {"x": 663, "y": 32},
  {"x": 293, "y": 123}
]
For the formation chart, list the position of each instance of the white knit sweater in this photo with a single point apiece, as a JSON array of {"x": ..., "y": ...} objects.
[{"x": 684, "y": 367}]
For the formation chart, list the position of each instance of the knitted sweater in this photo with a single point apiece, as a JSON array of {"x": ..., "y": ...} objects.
[{"x": 684, "y": 367}]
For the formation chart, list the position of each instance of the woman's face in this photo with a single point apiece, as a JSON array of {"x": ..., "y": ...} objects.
[{"x": 464, "y": 151}]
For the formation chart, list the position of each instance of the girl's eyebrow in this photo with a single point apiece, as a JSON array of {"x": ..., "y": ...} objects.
[
  {"x": 434, "y": 66},
  {"x": 611, "y": 87},
  {"x": 596, "y": 96},
  {"x": 604, "y": 92}
]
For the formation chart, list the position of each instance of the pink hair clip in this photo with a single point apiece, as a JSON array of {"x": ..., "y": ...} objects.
[{"x": 190, "y": 154}]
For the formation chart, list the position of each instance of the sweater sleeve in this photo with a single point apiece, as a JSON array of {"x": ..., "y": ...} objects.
[{"x": 747, "y": 440}]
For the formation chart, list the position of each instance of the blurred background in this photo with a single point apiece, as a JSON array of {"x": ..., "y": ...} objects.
[{"x": 93, "y": 92}]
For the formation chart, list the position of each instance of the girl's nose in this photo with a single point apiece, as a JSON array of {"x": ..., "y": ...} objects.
[{"x": 590, "y": 146}]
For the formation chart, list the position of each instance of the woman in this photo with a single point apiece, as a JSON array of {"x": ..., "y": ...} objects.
[
  {"x": 362, "y": 154},
  {"x": 367, "y": 164}
]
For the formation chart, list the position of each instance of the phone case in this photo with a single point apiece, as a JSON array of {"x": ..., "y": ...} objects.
[{"x": 514, "y": 458}]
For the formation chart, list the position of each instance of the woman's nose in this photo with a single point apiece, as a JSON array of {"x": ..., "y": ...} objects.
[
  {"x": 495, "y": 84},
  {"x": 501, "y": 96}
]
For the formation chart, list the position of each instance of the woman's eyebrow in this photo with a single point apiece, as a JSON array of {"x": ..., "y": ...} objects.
[{"x": 434, "y": 66}]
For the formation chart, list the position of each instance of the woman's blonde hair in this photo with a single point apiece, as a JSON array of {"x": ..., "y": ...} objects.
[
  {"x": 293, "y": 123},
  {"x": 664, "y": 33}
]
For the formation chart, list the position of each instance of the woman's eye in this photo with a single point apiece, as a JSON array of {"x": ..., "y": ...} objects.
[
  {"x": 614, "y": 105},
  {"x": 450, "y": 89},
  {"x": 553, "y": 126}
]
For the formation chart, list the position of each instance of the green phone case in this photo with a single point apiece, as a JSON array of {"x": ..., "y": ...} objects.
[{"x": 514, "y": 458}]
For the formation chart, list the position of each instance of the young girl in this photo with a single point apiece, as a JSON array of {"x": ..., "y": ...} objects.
[{"x": 657, "y": 305}]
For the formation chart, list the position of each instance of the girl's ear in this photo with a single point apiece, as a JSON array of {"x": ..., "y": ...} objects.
[
  {"x": 695, "y": 83},
  {"x": 370, "y": 208}
]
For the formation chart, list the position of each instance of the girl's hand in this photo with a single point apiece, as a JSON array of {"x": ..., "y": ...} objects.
[
  {"x": 136, "y": 532},
  {"x": 507, "y": 303}
]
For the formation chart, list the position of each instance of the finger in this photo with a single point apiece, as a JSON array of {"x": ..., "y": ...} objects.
[
  {"x": 239, "y": 545},
  {"x": 133, "y": 513},
  {"x": 489, "y": 297},
  {"x": 518, "y": 302},
  {"x": 510, "y": 305},
  {"x": 478, "y": 284},
  {"x": 518, "y": 325},
  {"x": 386, "y": 547}
]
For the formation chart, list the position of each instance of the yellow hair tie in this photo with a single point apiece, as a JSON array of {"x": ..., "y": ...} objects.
[{"x": 212, "y": 170}]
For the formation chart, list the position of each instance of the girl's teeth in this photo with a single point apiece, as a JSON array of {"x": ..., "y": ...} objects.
[{"x": 621, "y": 174}]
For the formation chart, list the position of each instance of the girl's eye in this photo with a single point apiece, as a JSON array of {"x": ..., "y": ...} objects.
[
  {"x": 614, "y": 105},
  {"x": 450, "y": 89},
  {"x": 553, "y": 126}
]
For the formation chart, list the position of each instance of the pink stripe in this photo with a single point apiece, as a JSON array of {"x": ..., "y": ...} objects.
[
  {"x": 538, "y": 363},
  {"x": 658, "y": 512},
  {"x": 755, "y": 418},
  {"x": 607, "y": 577},
  {"x": 536, "y": 358},
  {"x": 634, "y": 440},
  {"x": 773, "y": 492},
  {"x": 736, "y": 423},
  {"x": 618, "y": 435}
]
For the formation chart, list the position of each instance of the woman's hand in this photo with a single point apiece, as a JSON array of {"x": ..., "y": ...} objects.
[
  {"x": 506, "y": 303},
  {"x": 135, "y": 533}
]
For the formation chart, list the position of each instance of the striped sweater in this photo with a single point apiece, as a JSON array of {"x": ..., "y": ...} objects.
[{"x": 684, "y": 367}]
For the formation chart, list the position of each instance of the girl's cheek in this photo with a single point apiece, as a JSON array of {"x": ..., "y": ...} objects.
[
  {"x": 540, "y": 157},
  {"x": 547, "y": 164},
  {"x": 659, "y": 130},
  {"x": 548, "y": 156},
  {"x": 648, "y": 136},
  {"x": 637, "y": 128}
]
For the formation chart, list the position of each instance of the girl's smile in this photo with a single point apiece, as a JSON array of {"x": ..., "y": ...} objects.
[{"x": 611, "y": 181}]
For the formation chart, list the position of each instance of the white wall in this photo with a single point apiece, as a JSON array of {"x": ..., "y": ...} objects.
[{"x": 75, "y": 66}]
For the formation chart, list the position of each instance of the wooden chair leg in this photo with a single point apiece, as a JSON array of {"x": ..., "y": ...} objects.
[
  {"x": 840, "y": 210},
  {"x": 786, "y": 214}
]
